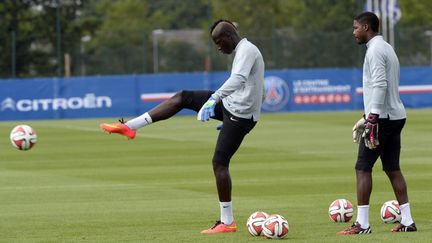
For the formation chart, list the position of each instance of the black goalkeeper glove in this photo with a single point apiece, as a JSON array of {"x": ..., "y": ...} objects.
[{"x": 370, "y": 133}]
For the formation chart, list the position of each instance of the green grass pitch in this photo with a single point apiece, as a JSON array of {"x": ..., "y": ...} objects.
[{"x": 79, "y": 184}]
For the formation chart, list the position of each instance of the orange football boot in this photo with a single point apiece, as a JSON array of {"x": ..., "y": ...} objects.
[
  {"x": 354, "y": 230},
  {"x": 220, "y": 227},
  {"x": 119, "y": 128}
]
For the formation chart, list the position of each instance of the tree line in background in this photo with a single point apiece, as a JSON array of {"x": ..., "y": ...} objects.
[{"x": 101, "y": 37}]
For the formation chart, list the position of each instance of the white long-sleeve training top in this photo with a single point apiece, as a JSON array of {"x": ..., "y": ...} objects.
[
  {"x": 381, "y": 74},
  {"x": 242, "y": 93}
]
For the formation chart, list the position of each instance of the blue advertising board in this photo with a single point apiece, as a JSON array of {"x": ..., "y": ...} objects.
[{"x": 290, "y": 90}]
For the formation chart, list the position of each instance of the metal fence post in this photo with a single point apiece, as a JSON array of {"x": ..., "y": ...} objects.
[
  {"x": 13, "y": 61},
  {"x": 58, "y": 36}
]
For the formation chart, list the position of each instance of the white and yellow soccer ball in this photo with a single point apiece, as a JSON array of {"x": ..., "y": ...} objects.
[
  {"x": 341, "y": 210},
  {"x": 23, "y": 137},
  {"x": 275, "y": 227},
  {"x": 255, "y": 222},
  {"x": 390, "y": 212}
]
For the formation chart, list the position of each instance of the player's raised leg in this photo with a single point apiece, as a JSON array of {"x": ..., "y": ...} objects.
[
  {"x": 183, "y": 99},
  {"x": 120, "y": 128}
]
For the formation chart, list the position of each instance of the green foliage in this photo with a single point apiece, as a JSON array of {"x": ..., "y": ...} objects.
[
  {"x": 327, "y": 15},
  {"x": 123, "y": 43},
  {"x": 178, "y": 56},
  {"x": 34, "y": 23},
  {"x": 296, "y": 33},
  {"x": 290, "y": 34},
  {"x": 16, "y": 25},
  {"x": 123, "y": 20},
  {"x": 180, "y": 14},
  {"x": 416, "y": 13}
]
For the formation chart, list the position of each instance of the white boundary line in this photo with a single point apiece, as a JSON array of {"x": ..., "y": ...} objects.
[
  {"x": 156, "y": 96},
  {"x": 407, "y": 89}
]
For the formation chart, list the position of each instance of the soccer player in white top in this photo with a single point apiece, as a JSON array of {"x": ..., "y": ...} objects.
[
  {"x": 237, "y": 103},
  {"x": 378, "y": 133}
]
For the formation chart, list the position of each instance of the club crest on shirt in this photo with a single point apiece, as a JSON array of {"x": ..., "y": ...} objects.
[{"x": 276, "y": 93}]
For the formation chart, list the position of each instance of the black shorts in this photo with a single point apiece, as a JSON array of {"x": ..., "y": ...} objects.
[
  {"x": 233, "y": 131},
  {"x": 388, "y": 150}
]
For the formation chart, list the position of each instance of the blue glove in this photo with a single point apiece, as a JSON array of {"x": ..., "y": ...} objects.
[
  {"x": 207, "y": 110},
  {"x": 219, "y": 127}
]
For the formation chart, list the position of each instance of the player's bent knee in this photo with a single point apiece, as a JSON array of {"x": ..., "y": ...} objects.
[
  {"x": 184, "y": 98},
  {"x": 362, "y": 167},
  {"x": 363, "y": 170},
  {"x": 220, "y": 159},
  {"x": 220, "y": 165},
  {"x": 393, "y": 172},
  {"x": 178, "y": 97},
  {"x": 391, "y": 168},
  {"x": 220, "y": 170}
]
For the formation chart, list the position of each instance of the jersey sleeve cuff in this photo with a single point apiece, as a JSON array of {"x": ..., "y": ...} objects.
[
  {"x": 216, "y": 97},
  {"x": 375, "y": 111}
]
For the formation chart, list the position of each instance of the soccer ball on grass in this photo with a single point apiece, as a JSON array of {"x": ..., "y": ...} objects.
[
  {"x": 390, "y": 212},
  {"x": 341, "y": 210},
  {"x": 255, "y": 222},
  {"x": 23, "y": 137},
  {"x": 275, "y": 227}
]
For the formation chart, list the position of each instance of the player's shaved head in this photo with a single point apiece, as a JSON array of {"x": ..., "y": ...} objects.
[
  {"x": 225, "y": 36},
  {"x": 223, "y": 27}
]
